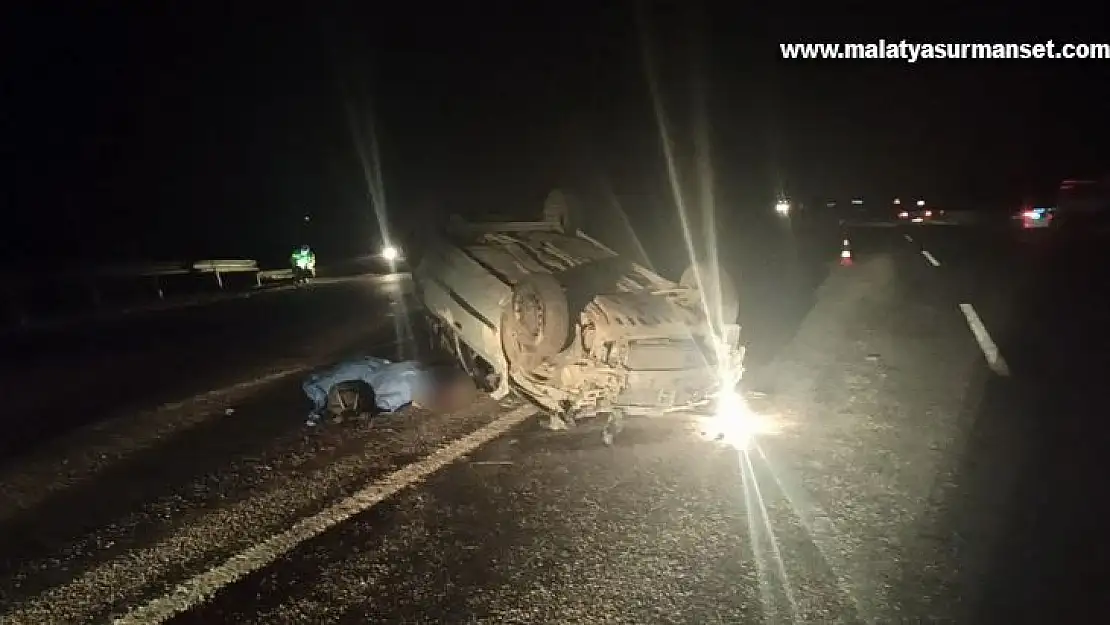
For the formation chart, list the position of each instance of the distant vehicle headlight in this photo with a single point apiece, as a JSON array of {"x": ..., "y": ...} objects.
[
  {"x": 783, "y": 207},
  {"x": 390, "y": 253}
]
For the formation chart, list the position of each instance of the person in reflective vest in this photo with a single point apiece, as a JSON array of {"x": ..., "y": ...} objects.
[{"x": 304, "y": 261}]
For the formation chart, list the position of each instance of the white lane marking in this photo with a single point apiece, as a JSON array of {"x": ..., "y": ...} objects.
[
  {"x": 994, "y": 359},
  {"x": 199, "y": 589},
  {"x": 196, "y": 542},
  {"x": 929, "y": 257},
  {"x": 908, "y": 238}
]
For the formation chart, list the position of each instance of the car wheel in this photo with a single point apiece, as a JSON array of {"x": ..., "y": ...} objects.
[
  {"x": 516, "y": 353},
  {"x": 563, "y": 209},
  {"x": 535, "y": 323},
  {"x": 725, "y": 300}
]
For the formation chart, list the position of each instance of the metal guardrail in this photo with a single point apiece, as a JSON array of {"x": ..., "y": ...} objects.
[
  {"x": 225, "y": 266},
  {"x": 154, "y": 270},
  {"x": 91, "y": 284},
  {"x": 275, "y": 275},
  {"x": 219, "y": 267},
  {"x": 144, "y": 270}
]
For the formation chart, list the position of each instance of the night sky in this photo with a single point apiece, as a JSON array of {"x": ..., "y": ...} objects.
[{"x": 181, "y": 130}]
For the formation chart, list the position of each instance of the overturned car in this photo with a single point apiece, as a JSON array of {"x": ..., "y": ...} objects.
[{"x": 545, "y": 311}]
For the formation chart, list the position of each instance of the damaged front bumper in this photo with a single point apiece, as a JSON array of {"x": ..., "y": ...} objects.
[{"x": 688, "y": 391}]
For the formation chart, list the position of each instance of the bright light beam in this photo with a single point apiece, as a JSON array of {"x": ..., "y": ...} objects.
[
  {"x": 668, "y": 150},
  {"x": 752, "y": 487},
  {"x": 825, "y": 536},
  {"x": 371, "y": 166},
  {"x": 756, "y": 533},
  {"x": 614, "y": 201},
  {"x": 735, "y": 423},
  {"x": 703, "y": 158},
  {"x": 372, "y": 172}
]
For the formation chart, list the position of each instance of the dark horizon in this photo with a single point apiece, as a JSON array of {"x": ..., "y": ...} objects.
[{"x": 156, "y": 133}]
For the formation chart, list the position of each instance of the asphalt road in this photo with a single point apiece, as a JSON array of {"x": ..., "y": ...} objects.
[
  {"x": 917, "y": 475},
  {"x": 56, "y": 380}
]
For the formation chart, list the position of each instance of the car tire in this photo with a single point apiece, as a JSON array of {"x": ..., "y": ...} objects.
[
  {"x": 535, "y": 323},
  {"x": 517, "y": 355},
  {"x": 729, "y": 303},
  {"x": 563, "y": 209}
]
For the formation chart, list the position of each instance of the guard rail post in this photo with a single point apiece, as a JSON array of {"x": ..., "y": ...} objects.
[{"x": 218, "y": 267}]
